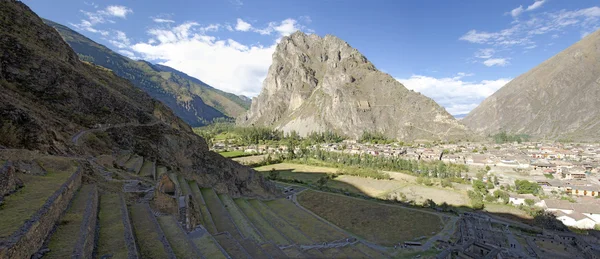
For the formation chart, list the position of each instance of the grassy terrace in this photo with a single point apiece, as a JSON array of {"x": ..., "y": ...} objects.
[
  {"x": 333, "y": 253},
  {"x": 219, "y": 214},
  {"x": 146, "y": 236},
  {"x": 273, "y": 250},
  {"x": 206, "y": 218},
  {"x": 185, "y": 187},
  {"x": 317, "y": 230},
  {"x": 284, "y": 227},
  {"x": 182, "y": 247},
  {"x": 160, "y": 171},
  {"x": 294, "y": 252},
  {"x": 268, "y": 231},
  {"x": 25, "y": 202},
  {"x": 232, "y": 247},
  {"x": 208, "y": 247},
  {"x": 147, "y": 169},
  {"x": 243, "y": 224},
  {"x": 368, "y": 251},
  {"x": 122, "y": 159},
  {"x": 111, "y": 240},
  {"x": 379, "y": 223},
  {"x": 352, "y": 252},
  {"x": 173, "y": 177},
  {"x": 252, "y": 248},
  {"x": 62, "y": 242}
]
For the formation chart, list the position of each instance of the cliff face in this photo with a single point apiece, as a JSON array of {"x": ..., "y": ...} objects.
[
  {"x": 47, "y": 95},
  {"x": 559, "y": 98},
  {"x": 318, "y": 84}
]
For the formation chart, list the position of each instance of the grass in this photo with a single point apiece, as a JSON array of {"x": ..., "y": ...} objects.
[
  {"x": 25, "y": 202},
  {"x": 549, "y": 176},
  {"x": 206, "y": 218},
  {"x": 351, "y": 252},
  {"x": 252, "y": 248},
  {"x": 147, "y": 169},
  {"x": 63, "y": 241},
  {"x": 235, "y": 153},
  {"x": 160, "y": 171},
  {"x": 219, "y": 214},
  {"x": 232, "y": 247},
  {"x": 134, "y": 164},
  {"x": 506, "y": 209},
  {"x": 293, "y": 252},
  {"x": 369, "y": 251},
  {"x": 182, "y": 247},
  {"x": 273, "y": 250},
  {"x": 111, "y": 239},
  {"x": 147, "y": 238},
  {"x": 376, "y": 222},
  {"x": 208, "y": 247},
  {"x": 333, "y": 253},
  {"x": 122, "y": 159},
  {"x": 317, "y": 230},
  {"x": 266, "y": 228},
  {"x": 185, "y": 187},
  {"x": 242, "y": 223},
  {"x": 283, "y": 226}
]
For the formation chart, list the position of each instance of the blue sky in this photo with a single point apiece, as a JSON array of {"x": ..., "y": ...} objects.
[{"x": 456, "y": 52}]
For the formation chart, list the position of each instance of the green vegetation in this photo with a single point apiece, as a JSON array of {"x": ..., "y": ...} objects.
[
  {"x": 379, "y": 223},
  {"x": 364, "y": 172},
  {"x": 206, "y": 217},
  {"x": 266, "y": 228},
  {"x": 182, "y": 247},
  {"x": 63, "y": 241},
  {"x": 232, "y": 247},
  {"x": 477, "y": 194},
  {"x": 147, "y": 168},
  {"x": 524, "y": 186},
  {"x": 111, "y": 239},
  {"x": 25, "y": 202},
  {"x": 503, "y": 137},
  {"x": 374, "y": 138},
  {"x": 208, "y": 247},
  {"x": 236, "y": 153},
  {"x": 240, "y": 220},
  {"x": 146, "y": 237},
  {"x": 308, "y": 224},
  {"x": 549, "y": 176}
]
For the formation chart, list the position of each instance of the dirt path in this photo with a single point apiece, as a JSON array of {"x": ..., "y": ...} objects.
[{"x": 78, "y": 135}]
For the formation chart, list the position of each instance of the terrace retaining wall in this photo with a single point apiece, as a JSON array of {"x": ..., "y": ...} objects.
[
  {"x": 132, "y": 250},
  {"x": 30, "y": 237}
]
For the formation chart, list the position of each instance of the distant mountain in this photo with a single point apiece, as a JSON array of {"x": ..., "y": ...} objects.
[
  {"x": 191, "y": 99},
  {"x": 319, "y": 84},
  {"x": 460, "y": 116},
  {"x": 559, "y": 98}
]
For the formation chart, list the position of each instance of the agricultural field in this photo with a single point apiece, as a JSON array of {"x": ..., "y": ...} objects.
[
  {"x": 233, "y": 154},
  {"x": 249, "y": 159},
  {"x": 376, "y": 222}
]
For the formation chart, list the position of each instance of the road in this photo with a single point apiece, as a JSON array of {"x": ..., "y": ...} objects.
[{"x": 78, "y": 135}]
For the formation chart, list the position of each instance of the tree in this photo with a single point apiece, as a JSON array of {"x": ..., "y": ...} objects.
[
  {"x": 524, "y": 186},
  {"x": 487, "y": 168},
  {"x": 273, "y": 174},
  {"x": 529, "y": 202},
  {"x": 502, "y": 195},
  {"x": 446, "y": 182},
  {"x": 490, "y": 185},
  {"x": 479, "y": 187},
  {"x": 323, "y": 181},
  {"x": 490, "y": 198},
  {"x": 429, "y": 203}
]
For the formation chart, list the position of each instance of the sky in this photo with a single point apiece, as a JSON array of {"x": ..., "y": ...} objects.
[{"x": 455, "y": 52}]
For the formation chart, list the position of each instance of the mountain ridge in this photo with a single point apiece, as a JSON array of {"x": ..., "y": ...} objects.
[
  {"x": 322, "y": 83},
  {"x": 190, "y": 98}
]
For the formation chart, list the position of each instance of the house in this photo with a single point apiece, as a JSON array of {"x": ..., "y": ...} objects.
[
  {"x": 519, "y": 199},
  {"x": 574, "y": 214},
  {"x": 575, "y": 219}
]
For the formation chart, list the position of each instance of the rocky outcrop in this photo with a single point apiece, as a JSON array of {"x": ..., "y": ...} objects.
[
  {"x": 47, "y": 95},
  {"x": 319, "y": 84},
  {"x": 9, "y": 182},
  {"x": 559, "y": 98}
]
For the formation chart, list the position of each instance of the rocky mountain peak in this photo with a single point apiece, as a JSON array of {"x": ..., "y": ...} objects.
[{"x": 322, "y": 83}]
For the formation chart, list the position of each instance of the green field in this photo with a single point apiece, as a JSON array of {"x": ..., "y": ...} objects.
[
  {"x": 379, "y": 223},
  {"x": 219, "y": 214},
  {"x": 267, "y": 229},
  {"x": 146, "y": 237},
  {"x": 206, "y": 217},
  {"x": 208, "y": 246},
  {"x": 182, "y": 247},
  {"x": 236, "y": 153},
  {"x": 111, "y": 239}
]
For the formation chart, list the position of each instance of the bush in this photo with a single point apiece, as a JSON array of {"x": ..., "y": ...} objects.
[{"x": 364, "y": 172}]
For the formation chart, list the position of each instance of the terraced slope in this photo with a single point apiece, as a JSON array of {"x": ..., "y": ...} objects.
[
  {"x": 64, "y": 242},
  {"x": 134, "y": 164},
  {"x": 207, "y": 245},
  {"x": 111, "y": 230},
  {"x": 292, "y": 233},
  {"x": 294, "y": 252},
  {"x": 273, "y": 250},
  {"x": 219, "y": 214},
  {"x": 231, "y": 246},
  {"x": 148, "y": 168},
  {"x": 206, "y": 216},
  {"x": 246, "y": 227},
  {"x": 178, "y": 239},
  {"x": 268, "y": 231},
  {"x": 150, "y": 238}
]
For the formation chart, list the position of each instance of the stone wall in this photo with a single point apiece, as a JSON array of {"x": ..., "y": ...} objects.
[
  {"x": 132, "y": 249},
  {"x": 30, "y": 237},
  {"x": 8, "y": 180},
  {"x": 87, "y": 233}
]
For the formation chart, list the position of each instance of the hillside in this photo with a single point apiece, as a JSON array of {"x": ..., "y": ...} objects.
[
  {"x": 53, "y": 103},
  {"x": 319, "y": 84},
  {"x": 191, "y": 99},
  {"x": 558, "y": 99}
]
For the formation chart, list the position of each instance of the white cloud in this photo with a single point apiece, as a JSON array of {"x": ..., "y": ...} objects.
[
  {"x": 485, "y": 53},
  {"x": 456, "y": 95},
  {"x": 160, "y": 20},
  {"x": 120, "y": 40},
  {"x": 226, "y": 64},
  {"x": 496, "y": 62},
  {"x": 536, "y": 5},
  {"x": 118, "y": 10},
  {"x": 531, "y": 47},
  {"x": 517, "y": 11},
  {"x": 242, "y": 25},
  {"x": 100, "y": 17}
]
